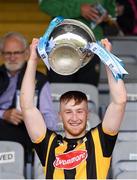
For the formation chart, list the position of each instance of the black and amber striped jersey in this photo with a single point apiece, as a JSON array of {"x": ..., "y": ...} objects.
[{"x": 84, "y": 158}]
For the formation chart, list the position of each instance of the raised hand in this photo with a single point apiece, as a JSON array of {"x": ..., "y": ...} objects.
[{"x": 89, "y": 12}]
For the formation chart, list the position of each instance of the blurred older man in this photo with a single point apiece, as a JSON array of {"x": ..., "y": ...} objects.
[{"x": 15, "y": 52}]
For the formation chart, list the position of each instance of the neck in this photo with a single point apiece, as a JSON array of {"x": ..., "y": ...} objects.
[
  {"x": 72, "y": 136},
  {"x": 12, "y": 73}
]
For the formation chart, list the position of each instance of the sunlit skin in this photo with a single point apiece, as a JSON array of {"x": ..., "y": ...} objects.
[
  {"x": 14, "y": 63},
  {"x": 74, "y": 118}
]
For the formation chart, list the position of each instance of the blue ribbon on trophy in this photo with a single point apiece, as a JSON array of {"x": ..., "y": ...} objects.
[
  {"x": 45, "y": 45},
  {"x": 114, "y": 63}
]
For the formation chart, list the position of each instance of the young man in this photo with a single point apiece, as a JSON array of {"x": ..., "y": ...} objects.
[{"x": 81, "y": 154}]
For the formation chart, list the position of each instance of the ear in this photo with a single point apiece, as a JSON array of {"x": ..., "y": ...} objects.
[
  {"x": 60, "y": 116},
  {"x": 88, "y": 114},
  {"x": 27, "y": 53}
]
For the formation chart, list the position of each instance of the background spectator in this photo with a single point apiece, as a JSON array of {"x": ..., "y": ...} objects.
[
  {"x": 15, "y": 52},
  {"x": 126, "y": 12}
]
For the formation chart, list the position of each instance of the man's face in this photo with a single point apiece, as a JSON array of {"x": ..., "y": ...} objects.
[
  {"x": 14, "y": 54},
  {"x": 74, "y": 118}
]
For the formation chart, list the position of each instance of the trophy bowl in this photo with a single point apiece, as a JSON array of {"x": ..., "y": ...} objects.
[{"x": 69, "y": 53}]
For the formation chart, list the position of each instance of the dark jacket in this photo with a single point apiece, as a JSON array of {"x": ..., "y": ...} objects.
[{"x": 41, "y": 79}]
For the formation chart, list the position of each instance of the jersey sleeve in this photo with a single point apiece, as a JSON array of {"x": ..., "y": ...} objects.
[
  {"x": 41, "y": 147},
  {"x": 107, "y": 141}
]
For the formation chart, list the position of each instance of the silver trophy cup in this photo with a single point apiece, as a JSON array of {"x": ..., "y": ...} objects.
[{"x": 69, "y": 53}]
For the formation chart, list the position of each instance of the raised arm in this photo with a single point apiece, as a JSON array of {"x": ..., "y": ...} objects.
[
  {"x": 115, "y": 111},
  {"x": 32, "y": 117}
]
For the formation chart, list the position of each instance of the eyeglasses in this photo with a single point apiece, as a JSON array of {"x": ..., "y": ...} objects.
[{"x": 15, "y": 53}]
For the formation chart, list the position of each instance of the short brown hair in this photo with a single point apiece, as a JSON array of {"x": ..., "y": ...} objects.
[{"x": 78, "y": 96}]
